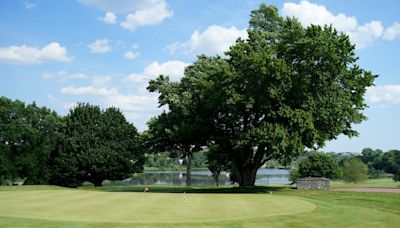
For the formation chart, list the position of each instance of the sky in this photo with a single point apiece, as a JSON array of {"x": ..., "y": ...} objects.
[{"x": 59, "y": 53}]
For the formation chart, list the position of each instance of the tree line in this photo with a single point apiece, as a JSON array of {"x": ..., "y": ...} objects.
[
  {"x": 351, "y": 167},
  {"x": 284, "y": 89},
  {"x": 37, "y": 146}
]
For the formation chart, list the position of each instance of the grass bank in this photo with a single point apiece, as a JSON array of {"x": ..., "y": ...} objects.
[
  {"x": 370, "y": 183},
  {"x": 125, "y": 206}
]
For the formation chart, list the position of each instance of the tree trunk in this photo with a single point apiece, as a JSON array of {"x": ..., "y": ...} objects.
[
  {"x": 248, "y": 177},
  {"x": 189, "y": 169},
  {"x": 245, "y": 174},
  {"x": 215, "y": 175}
]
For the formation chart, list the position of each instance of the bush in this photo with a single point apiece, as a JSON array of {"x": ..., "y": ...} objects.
[
  {"x": 355, "y": 171},
  {"x": 293, "y": 174},
  {"x": 319, "y": 165}
]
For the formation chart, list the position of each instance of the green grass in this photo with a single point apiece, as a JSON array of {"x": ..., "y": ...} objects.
[
  {"x": 128, "y": 206},
  {"x": 371, "y": 183}
]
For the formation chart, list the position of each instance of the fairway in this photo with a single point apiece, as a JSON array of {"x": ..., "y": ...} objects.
[{"x": 95, "y": 206}]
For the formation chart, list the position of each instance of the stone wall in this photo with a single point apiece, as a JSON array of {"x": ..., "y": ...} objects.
[{"x": 313, "y": 183}]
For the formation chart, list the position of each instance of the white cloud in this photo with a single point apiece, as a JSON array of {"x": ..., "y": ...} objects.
[
  {"x": 64, "y": 104},
  {"x": 109, "y": 18},
  {"x": 214, "y": 40},
  {"x": 388, "y": 94},
  {"x": 131, "y": 54},
  {"x": 392, "y": 32},
  {"x": 89, "y": 90},
  {"x": 362, "y": 35},
  {"x": 138, "y": 12},
  {"x": 29, "y": 5},
  {"x": 137, "y": 78},
  {"x": 31, "y": 55},
  {"x": 98, "y": 87},
  {"x": 147, "y": 16},
  {"x": 310, "y": 13},
  {"x": 64, "y": 75},
  {"x": 367, "y": 34},
  {"x": 137, "y": 102},
  {"x": 174, "y": 69},
  {"x": 99, "y": 81},
  {"x": 100, "y": 46}
]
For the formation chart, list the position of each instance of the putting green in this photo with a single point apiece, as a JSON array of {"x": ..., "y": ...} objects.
[{"x": 93, "y": 206}]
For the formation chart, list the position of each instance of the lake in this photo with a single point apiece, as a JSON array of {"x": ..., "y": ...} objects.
[{"x": 203, "y": 178}]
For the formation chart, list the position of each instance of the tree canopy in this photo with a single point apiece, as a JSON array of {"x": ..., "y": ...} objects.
[
  {"x": 319, "y": 164},
  {"x": 27, "y": 137},
  {"x": 283, "y": 89},
  {"x": 98, "y": 145},
  {"x": 355, "y": 171}
]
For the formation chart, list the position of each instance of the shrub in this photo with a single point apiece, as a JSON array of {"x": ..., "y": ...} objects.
[
  {"x": 319, "y": 165},
  {"x": 355, "y": 171}
]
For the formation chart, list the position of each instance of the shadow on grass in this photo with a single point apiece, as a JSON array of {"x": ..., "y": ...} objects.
[{"x": 180, "y": 189}]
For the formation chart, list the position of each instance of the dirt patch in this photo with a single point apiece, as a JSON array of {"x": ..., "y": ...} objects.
[{"x": 393, "y": 190}]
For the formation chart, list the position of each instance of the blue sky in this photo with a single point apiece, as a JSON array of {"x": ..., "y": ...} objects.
[{"x": 58, "y": 53}]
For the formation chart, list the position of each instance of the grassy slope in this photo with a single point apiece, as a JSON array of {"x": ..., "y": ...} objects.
[
  {"x": 334, "y": 209},
  {"x": 372, "y": 183}
]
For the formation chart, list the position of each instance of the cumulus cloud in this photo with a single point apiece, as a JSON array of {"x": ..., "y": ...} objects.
[
  {"x": 147, "y": 16},
  {"x": 392, "y": 32},
  {"x": 387, "y": 94},
  {"x": 32, "y": 55},
  {"x": 137, "y": 78},
  {"x": 138, "y": 12},
  {"x": 138, "y": 104},
  {"x": 310, "y": 13},
  {"x": 100, "y": 46},
  {"x": 361, "y": 35},
  {"x": 131, "y": 55},
  {"x": 174, "y": 69},
  {"x": 109, "y": 18},
  {"x": 89, "y": 90},
  {"x": 135, "y": 102},
  {"x": 64, "y": 75},
  {"x": 367, "y": 34},
  {"x": 214, "y": 40},
  {"x": 98, "y": 87}
]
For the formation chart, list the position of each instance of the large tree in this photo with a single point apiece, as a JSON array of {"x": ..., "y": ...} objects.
[
  {"x": 97, "y": 145},
  {"x": 283, "y": 89},
  {"x": 27, "y": 136}
]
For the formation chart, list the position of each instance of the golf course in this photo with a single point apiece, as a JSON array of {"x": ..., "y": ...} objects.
[{"x": 50, "y": 206}]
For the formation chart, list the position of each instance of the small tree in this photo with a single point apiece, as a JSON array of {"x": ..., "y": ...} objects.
[
  {"x": 396, "y": 166},
  {"x": 355, "y": 171},
  {"x": 319, "y": 165},
  {"x": 293, "y": 174},
  {"x": 97, "y": 145},
  {"x": 216, "y": 161}
]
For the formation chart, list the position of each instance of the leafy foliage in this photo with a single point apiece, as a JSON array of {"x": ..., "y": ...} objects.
[
  {"x": 98, "y": 145},
  {"x": 319, "y": 165},
  {"x": 355, "y": 171},
  {"x": 284, "y": 89},
  {"x": 27, "y": 136}
]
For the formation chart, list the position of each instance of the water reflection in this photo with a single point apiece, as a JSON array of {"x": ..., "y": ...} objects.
[{"x": 203, "y": 178}]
